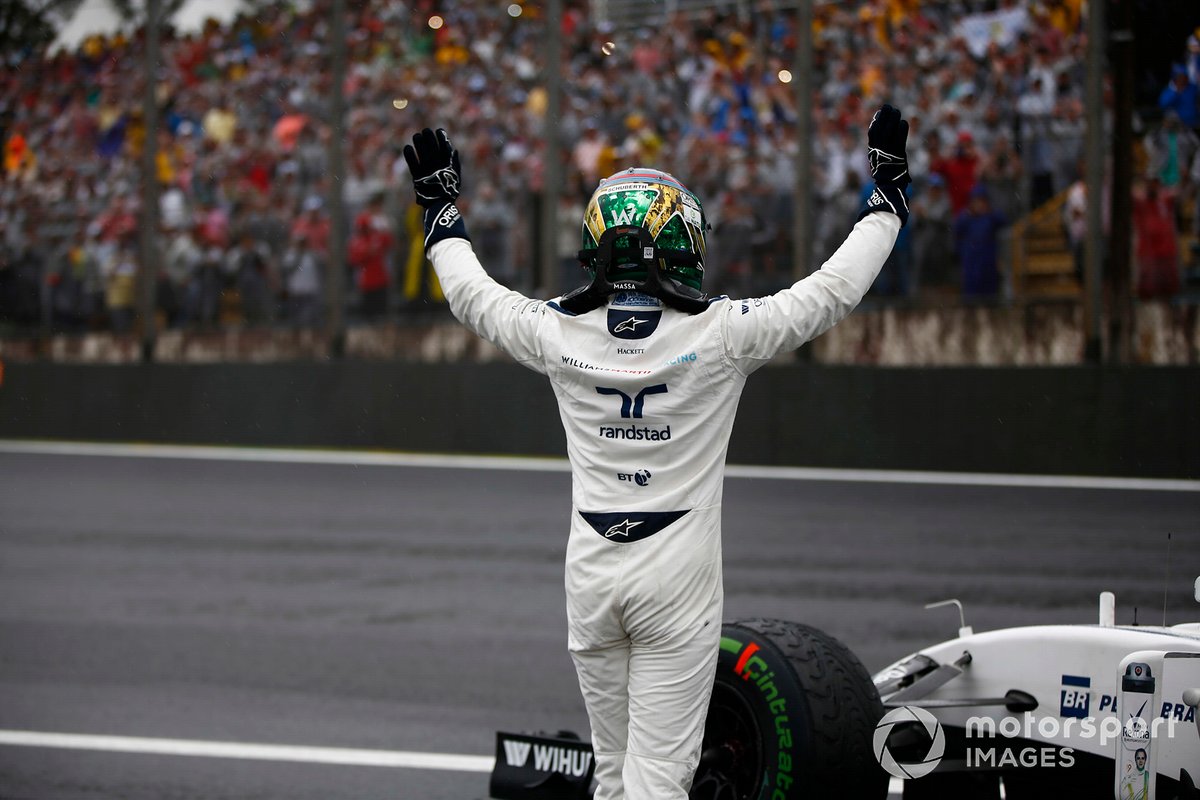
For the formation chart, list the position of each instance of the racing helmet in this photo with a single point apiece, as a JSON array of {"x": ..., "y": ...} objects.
[{"x": 643, "y": 230}]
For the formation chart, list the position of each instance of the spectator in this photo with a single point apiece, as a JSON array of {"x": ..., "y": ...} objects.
[
  {"x": 732, "y": 235},
  {"x": 369, "y": 250},
  {"x": 977, "y": 240},
  {"x": 26, "y": 267},
  {"x": 244, "y": 135},
  {"x": 289, "y": 126},
  {"x": 181, "y": 265},
  {"x": 1075, "y": 222},
  {"x": 248, "y": 267},
  {"x": 220, "y": 123},
  {"x": 1001, "y": 173},
  {"x": 1180, "y": 96},
  {"x": 959, "y": 170},
  {"x": 75, "y": 288},
  {"x": 311, "y": 229},
  {"x": 361, "y": 186},
  {"x": 587, "y": 152},
  {"x": 206, "y": 286},
  {"x": 120, "y": 276},
  {"x": 1172, "y": 149},
  {"x": 1035, "y": 108},
  {"x": 491, "y": 221},
  {"x": 1157, "y": 245},
  {"x": 303, "y": 267},
  {"x": 1192, "y": 61},
  {"x": 20, "y": 163},
  {"x": 933, "y": 238}
]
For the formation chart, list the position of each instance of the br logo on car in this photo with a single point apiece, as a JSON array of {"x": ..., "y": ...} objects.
[{"x": 909, "y": 716}]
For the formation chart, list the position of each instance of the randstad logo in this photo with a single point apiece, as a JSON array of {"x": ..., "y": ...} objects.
[{"x": 906, "y": 770}]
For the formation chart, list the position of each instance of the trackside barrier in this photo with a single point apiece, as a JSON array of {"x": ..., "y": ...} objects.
[{"x": 1126, "y": 421}]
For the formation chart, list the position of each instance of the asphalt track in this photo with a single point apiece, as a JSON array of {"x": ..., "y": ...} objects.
[{"x": 415, "y": 610}]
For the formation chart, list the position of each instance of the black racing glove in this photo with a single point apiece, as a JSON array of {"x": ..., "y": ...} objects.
[
  {"x": 437, "y": 179},
  {"x": 887, "y": 138}
]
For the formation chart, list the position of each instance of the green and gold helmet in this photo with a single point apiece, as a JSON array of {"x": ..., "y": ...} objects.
[{"x": 644, "y": 230}]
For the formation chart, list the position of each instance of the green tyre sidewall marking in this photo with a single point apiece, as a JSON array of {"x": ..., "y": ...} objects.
[
  {"x": 813, "y": 706},
  {"x": 781, "y": 754}
]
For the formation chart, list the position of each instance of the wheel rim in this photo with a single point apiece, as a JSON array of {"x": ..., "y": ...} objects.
[{"x": 731, "y": 735}]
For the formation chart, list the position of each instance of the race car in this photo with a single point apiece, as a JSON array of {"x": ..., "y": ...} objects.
[{"x": 1048, "y": 711}]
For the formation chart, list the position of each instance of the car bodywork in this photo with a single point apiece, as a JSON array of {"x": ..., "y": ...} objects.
[{"x": 1062, "y": 700}]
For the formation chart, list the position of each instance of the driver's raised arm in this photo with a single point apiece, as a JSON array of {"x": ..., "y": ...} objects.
[
  {"x": 506, "y": 318},
  {"x": 758, "y": 329}
]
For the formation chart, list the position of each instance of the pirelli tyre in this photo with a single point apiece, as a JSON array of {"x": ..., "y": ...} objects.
[{"x": 792, "y": 716}]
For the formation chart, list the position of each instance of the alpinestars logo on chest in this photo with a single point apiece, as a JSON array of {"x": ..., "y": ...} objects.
[
  {"x": 621, "y": 528},
  {"x": 629, "y": 325}
]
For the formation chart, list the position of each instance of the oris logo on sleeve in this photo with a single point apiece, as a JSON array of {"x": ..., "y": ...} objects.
[{"x": 449, "y": 216}]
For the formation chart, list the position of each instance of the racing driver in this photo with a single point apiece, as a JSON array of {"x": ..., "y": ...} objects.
[{"x": 647, "y": 371}]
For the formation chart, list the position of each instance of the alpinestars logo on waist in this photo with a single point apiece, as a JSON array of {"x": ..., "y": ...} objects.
[
  {"x": 629, "y": 325},
  {"x": 621, "y": 529}
]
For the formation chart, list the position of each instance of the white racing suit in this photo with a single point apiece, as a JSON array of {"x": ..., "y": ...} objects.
[{"x": 647, "y": 397}]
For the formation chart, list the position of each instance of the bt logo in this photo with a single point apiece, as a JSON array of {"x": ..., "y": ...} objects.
[
  {"x": 632, "y": 406},
  {"x": 641, "y": 477}
]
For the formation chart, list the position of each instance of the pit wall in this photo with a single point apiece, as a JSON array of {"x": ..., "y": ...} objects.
[{"x": 1128, "y": 421}]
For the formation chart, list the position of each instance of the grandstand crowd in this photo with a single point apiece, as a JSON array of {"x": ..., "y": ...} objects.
[{"x": 993, "y": 91}]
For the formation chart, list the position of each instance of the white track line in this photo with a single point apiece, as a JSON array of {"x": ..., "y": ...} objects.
[
  {"x": 370, "y": 458},
  {"x": 397, "y": 759},
  {"x": 245, "y": 750}
]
